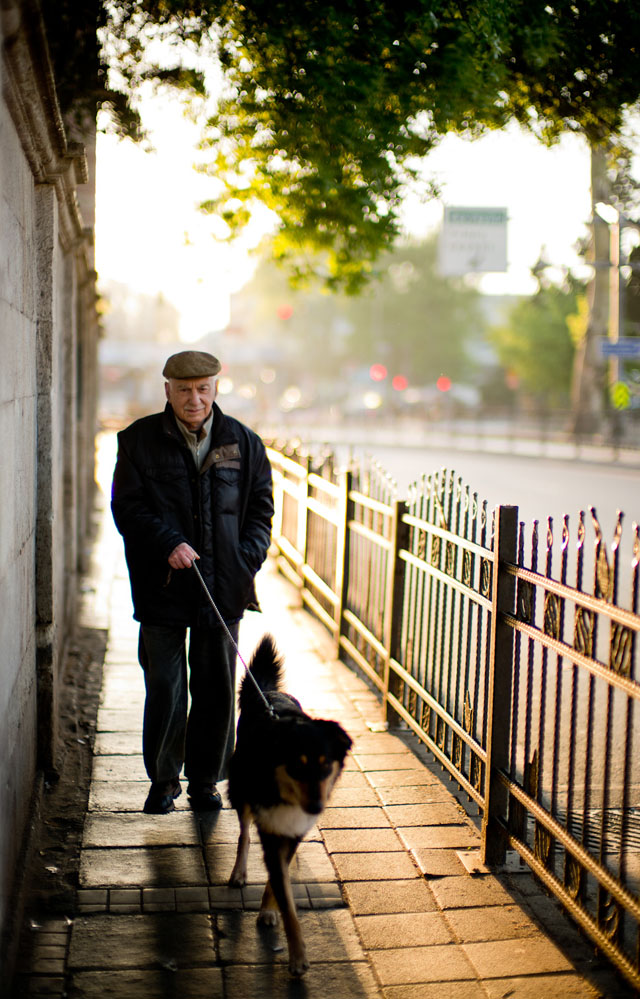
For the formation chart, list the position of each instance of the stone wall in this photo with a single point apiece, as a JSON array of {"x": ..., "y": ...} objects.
[{"x": 48, "y": 387}]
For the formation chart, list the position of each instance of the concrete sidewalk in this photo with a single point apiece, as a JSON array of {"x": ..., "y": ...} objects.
[{"x": 395, "y": 902}]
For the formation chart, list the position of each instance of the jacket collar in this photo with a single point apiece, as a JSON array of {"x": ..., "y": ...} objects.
[{"x": 221, "y": 431}]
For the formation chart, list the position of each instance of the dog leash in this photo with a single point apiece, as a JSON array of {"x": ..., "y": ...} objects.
[{"x": 222, "y": 621}]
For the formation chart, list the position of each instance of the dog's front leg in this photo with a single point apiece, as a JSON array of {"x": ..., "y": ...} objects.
[
  {"x": 278, "y": 853},
  {"x": 238, "y": 877},
  {"x": 268, "y": 915}
]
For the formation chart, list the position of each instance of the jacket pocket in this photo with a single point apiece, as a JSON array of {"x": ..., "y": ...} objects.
[{"x": 226, "y": 485}]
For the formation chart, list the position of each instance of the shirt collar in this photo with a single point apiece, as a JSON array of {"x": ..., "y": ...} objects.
[{"x": 196, "y": 436}]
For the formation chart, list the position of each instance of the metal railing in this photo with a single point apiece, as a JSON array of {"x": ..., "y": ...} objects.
[{"x": 521, "y": 679}]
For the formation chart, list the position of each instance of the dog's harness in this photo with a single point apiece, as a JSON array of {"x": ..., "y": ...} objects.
[{"x": 268, "y": 706}]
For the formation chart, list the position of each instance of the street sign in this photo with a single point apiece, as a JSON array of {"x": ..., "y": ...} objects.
[
  {"x": 625, "y": 346},
  {"x": 620, "y": 395},
  {"x": 472, "y": 240}
]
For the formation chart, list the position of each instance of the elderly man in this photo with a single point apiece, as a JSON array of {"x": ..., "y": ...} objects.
[{"x": 190, "y": 483}]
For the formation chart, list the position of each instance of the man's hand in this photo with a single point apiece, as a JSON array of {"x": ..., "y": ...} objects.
[{"x": 182, "y": 556}]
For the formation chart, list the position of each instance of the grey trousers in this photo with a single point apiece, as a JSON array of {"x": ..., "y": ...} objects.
[{"x": 200, "y": 736}]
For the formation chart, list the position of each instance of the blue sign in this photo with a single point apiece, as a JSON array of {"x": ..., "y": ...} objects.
[{"x": 626, "y": 346}]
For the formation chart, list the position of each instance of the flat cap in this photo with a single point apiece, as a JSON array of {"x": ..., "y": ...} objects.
[{"x": 191, "y": 364}]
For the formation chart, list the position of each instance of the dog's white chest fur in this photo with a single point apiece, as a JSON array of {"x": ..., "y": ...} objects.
[{"x": 285, "y": 820}]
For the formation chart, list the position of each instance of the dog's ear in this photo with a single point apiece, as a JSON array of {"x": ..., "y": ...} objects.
[{"x": 341, "y": 742}]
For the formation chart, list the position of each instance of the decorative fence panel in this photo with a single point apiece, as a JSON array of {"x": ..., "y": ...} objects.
[{"x": 519, "y": 677}]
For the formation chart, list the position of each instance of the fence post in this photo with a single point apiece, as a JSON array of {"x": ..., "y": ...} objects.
[
  {"x": 303, "y": 514},
  {"x": 278, "y": 494},
  {"x": 501, "y": 641},
  {"x": 394, "y": 605},
  {"x": 343, "y": 552}
]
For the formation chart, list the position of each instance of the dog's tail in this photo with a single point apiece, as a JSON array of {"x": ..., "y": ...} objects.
[{"x": 267, "y": 668}]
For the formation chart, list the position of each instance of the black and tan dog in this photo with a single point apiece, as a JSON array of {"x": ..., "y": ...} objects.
[{"x": 280, "y": 777}]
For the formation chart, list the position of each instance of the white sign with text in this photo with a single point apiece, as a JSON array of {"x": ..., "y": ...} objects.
[{"x": 472, "y": 240}]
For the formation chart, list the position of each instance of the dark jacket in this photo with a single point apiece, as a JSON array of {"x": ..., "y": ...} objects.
[{"x": 224, "y": 512}]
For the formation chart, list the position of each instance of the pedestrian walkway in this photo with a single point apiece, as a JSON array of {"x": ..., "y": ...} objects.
[{"x": 394, "y": 900}]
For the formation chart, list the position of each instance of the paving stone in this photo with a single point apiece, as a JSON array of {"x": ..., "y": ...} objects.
[
  {"x": 385, "y": 761},
  {"x": 502, "y": 958},
  {"x": 367, "y": 897},
  {"x": 434, "y": 990},
  {"x": 254, "y": 893},
  {"x": 329, "y": 935},
  {"x": 47, "y": 966},
  {"x": 51, "y": 939},
  {"x": 410, "y": 929},
  {"x": 361, "y": 840},
  {"x": 468, "y": 892},
  {"x": 119, "y": 768},
  {"x": 202, "y": 983},
  {"x": 355, "y": 724},
  {"x": 159, "y": 896},
  {"x": 223, "y": 897},
  {"x": 549, "y": 987},
  {"x": 374, "y": 866},
  {"x": 119, "y": 720},
  {"x": 93, "y": 896},
  {"x": 326, "y": 704},
  {"x": 345, "y": 980},
  {"x": 378, "y": 743},
  {"x": 114, "y": 698},
  {"x": 125, "y": 868},
  {"x": 438, "y": 837},
  {"x": 40, "y": 985},
  {"x": 55, "y": 925},
  {"x": 471, "y": 860},
  {"x": 311, "y": 863},
  {"x": 504, "y": 922},
  {"x": 199, "y": 894},
  {"x": 115, "y": 943},
  {"x": 119, "y": 796},
  {"x": 353, "y": 818},
  {"x": 352, "y": 778},
  {"x": 438, "y": 863},
  {"x": 413, "y": 776},
  {"x": 118, "y": 743},
  {"x": 50, "y": 952},
  {"x": 221, "y": 827},
  {"x": 125, "y": 896},
  {"x": 351, "y": 797},
  {"x": 220, "y": 858},
  {"x": 325, "y": 895},
  {"x": 413, "y": 965},
  {"x": 439, "y": 813},
  {"x": 138, "y": 829},
  {"x": 410, "y": 794}
]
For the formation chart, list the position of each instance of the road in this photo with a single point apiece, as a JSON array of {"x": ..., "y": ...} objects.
[{"x": 540, "y": 487}]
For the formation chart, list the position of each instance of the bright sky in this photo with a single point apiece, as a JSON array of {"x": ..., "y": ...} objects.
[{"x": 150, "y": 235}]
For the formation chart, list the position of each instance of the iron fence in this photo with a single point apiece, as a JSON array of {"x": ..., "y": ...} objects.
[{"x": 519, "y": 676}]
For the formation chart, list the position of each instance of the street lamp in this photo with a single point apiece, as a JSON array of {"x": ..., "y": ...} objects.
[{"x": 611, "y": 216}]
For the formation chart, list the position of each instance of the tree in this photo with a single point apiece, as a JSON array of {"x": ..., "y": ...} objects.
[
  {"x": 327, "y": 105},
  {"x": 413, "y": 321},
  {"x": 418, "y": 323},
  {"x": 537, "y": 343}
]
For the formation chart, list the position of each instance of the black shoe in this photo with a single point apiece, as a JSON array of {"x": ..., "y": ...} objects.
[
  {"x": 160, "y": 800},
  {"x": 204, "y": 797}
]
